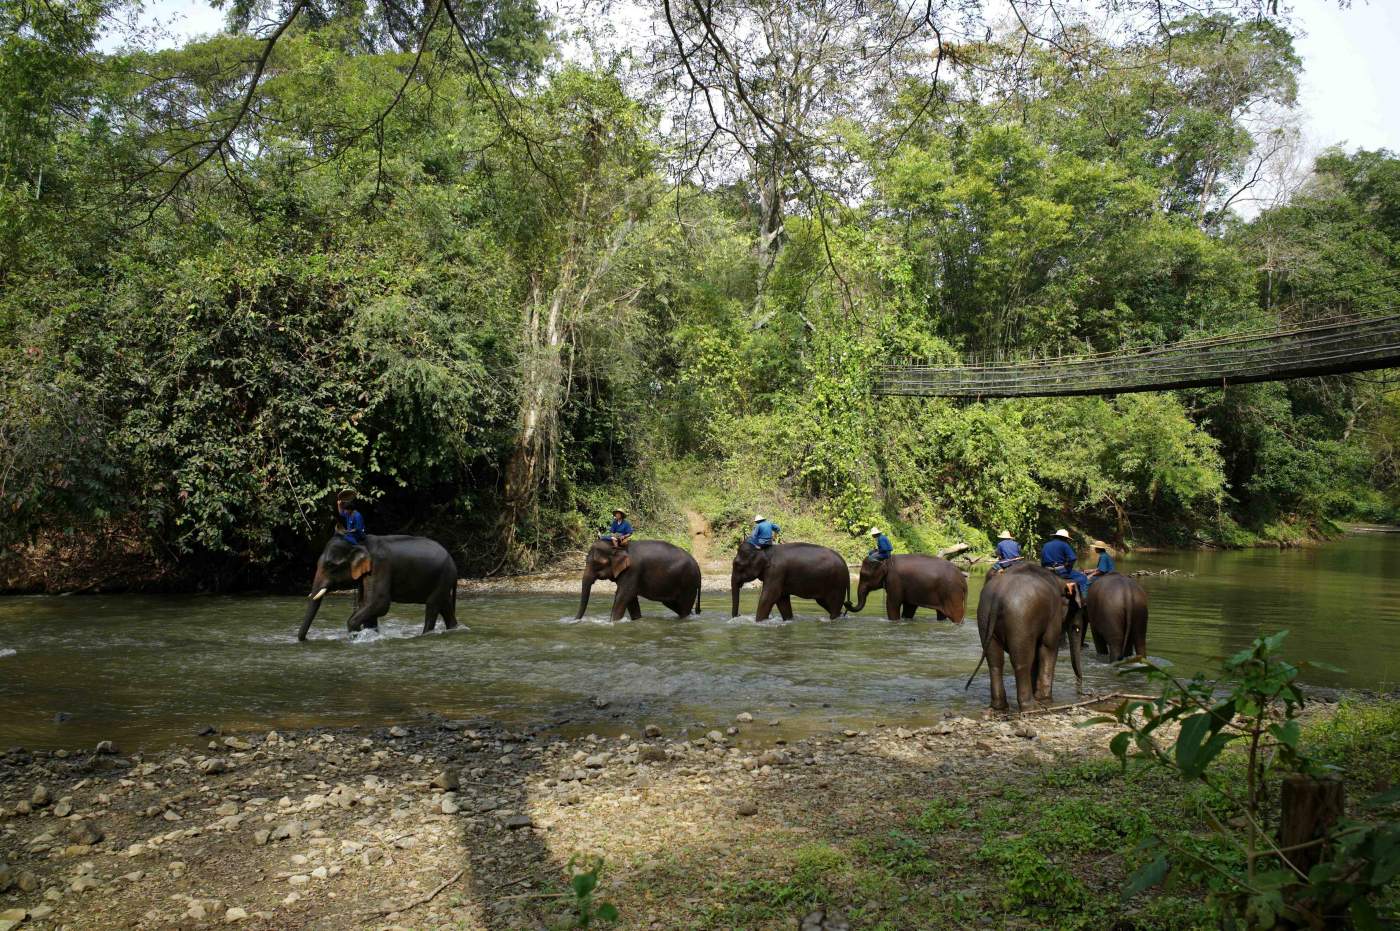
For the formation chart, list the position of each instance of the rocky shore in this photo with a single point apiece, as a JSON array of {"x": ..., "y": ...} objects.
[{"x": 454, "y": 824}]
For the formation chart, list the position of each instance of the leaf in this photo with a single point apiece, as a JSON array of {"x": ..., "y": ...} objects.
[
  {"x": 1287, "y": 733},
  {"x": 1363, "y": 913},
  {"x": 1188, "y": 743},
  {"x": 607, "y": 912},
  {"x": 584, "y": 883},
  {"x": 1388, "y": 797},
  {"x": 1119, "y": 745},
  {"x": 1146, "y": 877}
]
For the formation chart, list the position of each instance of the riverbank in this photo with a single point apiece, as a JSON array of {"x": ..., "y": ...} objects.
[{"x": 463, "y": 825}]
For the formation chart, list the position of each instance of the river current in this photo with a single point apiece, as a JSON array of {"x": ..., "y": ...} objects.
[{"x": 147, "y": 670}]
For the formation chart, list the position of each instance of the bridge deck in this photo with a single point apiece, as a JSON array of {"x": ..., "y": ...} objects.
[{"x": 1351, "y": 344}]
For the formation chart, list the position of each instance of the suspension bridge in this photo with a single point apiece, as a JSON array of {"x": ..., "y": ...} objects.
[{"x": 1325, "y": 347}]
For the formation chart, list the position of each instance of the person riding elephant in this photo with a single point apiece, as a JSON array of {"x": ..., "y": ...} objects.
[
  {"x": 883, "y": 547},
  {"x": 1105, "y": 564},
  {"x": 1116, "y": 612},
  {"x": 1008, "y": 551},
  {"x": 765, "y": 532},
  {"x": 1024, "y": 612},
  {"x": 652, "y": 569},
  {"x": 414, "y": 570},
  {"x": 787, "y": 569},
  {"x": 912, "y": 581},
  {"x": 351, "y": 521},
  {"x": 1059, "y": 557},
  {"x": 619, "y": 531}
]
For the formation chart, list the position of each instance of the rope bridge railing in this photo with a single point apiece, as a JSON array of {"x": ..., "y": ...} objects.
[{"x": 1348, "y": 344}]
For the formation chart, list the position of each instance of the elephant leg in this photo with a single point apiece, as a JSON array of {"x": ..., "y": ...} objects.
[
  {"x": 941, "y": 615},
  {"x": 449, "y": 608},
  {"x": 767, "y": 598},
  {"x": 430, "y": 615},
  {"x": 909, "y": 610},
  {"x": 620, "y": 604},
  {"x": 368, "y": 614},
  {"x": 1046, "y": 655},
  {"x": 634, "y": 608},
  {"x": 785, "y": 607},
  {"x": 995, "y": 659},
  {"x": 1025, "y": 668},
  {"x": 1100, "y": 644},
  {"x": 892, "y": 608}
]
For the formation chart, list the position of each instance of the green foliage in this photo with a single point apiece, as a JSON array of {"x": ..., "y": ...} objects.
[
  {"x": 583, "y": 883},
  {"x": 1254, "y": 883}
]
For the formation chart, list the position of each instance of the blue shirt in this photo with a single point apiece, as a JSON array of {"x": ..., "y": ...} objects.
[
  {"x": 354, "y": 526},
  {"x": 1105, "y": 563},
  {"x": 1058, "y": 554},
  {"x": 763, "y": 533},
  {"x": 883, "y": 545},
  {"x": 1008, "y": 549},
  {"x": 620, "y": 528}
]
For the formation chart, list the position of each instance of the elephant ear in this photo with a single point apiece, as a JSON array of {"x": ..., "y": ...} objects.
[
  {"x": 360, "y": 565},
  {"x": 621, "y": 562}
]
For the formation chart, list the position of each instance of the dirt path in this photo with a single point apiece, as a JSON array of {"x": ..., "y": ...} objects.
[{"x": 699, "y": 537}]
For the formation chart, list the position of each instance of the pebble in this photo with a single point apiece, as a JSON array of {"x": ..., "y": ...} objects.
[
  {"x": 449, "y": 807},
  {"x": 300, "y": 879},
  {"x": 261, "y": 837},
  {"x": 40, "y": 797},
  {"x": 824, "y": 920},
  {"x": 235, "y": 914},
  {"x": 597, "y": 760},
  {"x": 1024, "y": 730},
  {"x": 63, "y": 809},
  {"x": 516, "y": 822},
  {"x": 650, "y": 753},
  {"x": 214, "y": 765},
  {"x": 234, "y": 743},
  {"x": 744, "y": 717},
  {"x": 86, "y": 834},
  {"x": 171, "y": 815},
  {"x": 7, "y": 877},
  {"x": 106, "y": 747},
  {"x": 746, "y": 809},
  {"x": 397, "y": 731},
  {"x": 227, "y": 809},
  {"x": 715, "y": 737},
  {"x": 651, "y": 730},
  {"x": 319, "y": 873},
  {"x": 449, "y": 780}
]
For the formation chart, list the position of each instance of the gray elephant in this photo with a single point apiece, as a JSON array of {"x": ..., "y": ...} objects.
[
  {"x": 651, "y": 569},
  {"x": 1116, "y": 611},
  {"x": 802, "y": 569},
  {"x": 415, "y": 570},
  {"x": 1024, "y": 612},
  {"x": 912, "y": 581}
]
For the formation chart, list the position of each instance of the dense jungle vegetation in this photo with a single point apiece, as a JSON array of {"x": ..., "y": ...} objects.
[{"x": 498, "y": 268}]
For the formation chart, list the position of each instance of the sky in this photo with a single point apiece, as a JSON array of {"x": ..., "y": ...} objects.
[{"x": 1348, "y": 92}]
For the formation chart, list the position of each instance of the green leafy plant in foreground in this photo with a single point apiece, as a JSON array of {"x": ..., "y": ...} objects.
[
  {"x": 582, "y": 885},
  {"x": 1331, "y": 881}
]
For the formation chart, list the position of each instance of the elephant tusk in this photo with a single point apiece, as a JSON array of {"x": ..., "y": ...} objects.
[{"x": 320, "y": 594}]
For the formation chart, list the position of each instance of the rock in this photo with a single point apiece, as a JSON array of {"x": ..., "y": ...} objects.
[
  {"x": 744, "y": 717},
  {"x": 289, "y": 831},
  {"x": 226, "y": 809},
  {"x": 406, "y": 843},
  {"x": 319, "y": 872},
  {"x": 601, "y": 703},
  {"x": 449, "y": 780},
  {"x": 235, "y": 743},
  {"x": 40, "y": 912},
  {"x": 984, "y": 745},
  {"x": 371, "y": 856},
  {"x": 40, "y": 797},
  {"x": 731, "y": 730},
  {"x": 651, "y": 730},
  {"x": 205, "y": 730},
  {"x": 746, "y": 809},
  {"x": 650, "y": 753},
  {"x": 106, "y": 747},
  {"x": 300, "y": 879},
  {"x": 196, "y": 911},
  {"x": 850, "y": 733},
  {"x": 261, "y": 837},
  {"x": 171, "y": 815},
  {"x": 234, "y": 914},
  {"x": 86, "y": 833},
  {"x": 83, "y": 884},
  {"x": 7, "y": 877},
  {"x": 397, "y": 731},
  {"x": 214, "y": 765},
  {"x": 450, "y": 807},
  {"x": 23, "y": 807},
  {"x": 27, "y": 882},
  {"x": 1024, "y": 730},
  {"x": 715, "y": 737},
  {"x": 63, "y": 809},
  {"x": 772, "y": 758},
  {"x": 597, "y": 760},
  {"x": 516, "y": 822},
  {"x": 902, "y": 734},
  {"x": 824, "y": 920}
]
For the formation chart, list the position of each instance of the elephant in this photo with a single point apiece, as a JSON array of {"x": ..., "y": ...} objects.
[
  {"x": 1023, "y": 611},
  {"x": 1116, "y": 610},
  {"x": 912, "y": 581},
  {"x": 802, "y": 569},
  {"x": 415, "y": 570},
  {"x": 652, "y": 569}
]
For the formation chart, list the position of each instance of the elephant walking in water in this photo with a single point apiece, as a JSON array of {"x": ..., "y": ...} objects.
[
  {"x": 912, "y": 581},
  {"x": 1116, "y": 611},
  {"x": 1023, "y": 612},
  {"x": 652, "y": 569},
  {"x": 415, "y": 570},
  {"x": 802, "y": 569}
]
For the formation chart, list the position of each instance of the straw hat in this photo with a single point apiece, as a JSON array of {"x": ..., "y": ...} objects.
[
  {"x": 874, "y": 531},
  {"x": 619, "y": 511},
  {"x": 758, "y": 518},
  {"x": 1005, "y": 535},
  {"x": 1100, "y": 545},
  {"x": 1061, "y": 533},
  {"x": 347, "y": 495}
]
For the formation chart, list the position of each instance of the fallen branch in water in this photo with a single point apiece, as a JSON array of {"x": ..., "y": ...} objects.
[
  {"x": 422, "y": 900},
  {"x": 1091, "y": 701}
]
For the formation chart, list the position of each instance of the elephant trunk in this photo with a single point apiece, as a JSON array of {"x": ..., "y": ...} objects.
[
  {"x": 588, "y": 579},
  {"x": 313, "y": 604},
  {"x": 862, "y": 591},
  {"x": 736, "y": 584},
  {"x": 1075, "y": 647}
]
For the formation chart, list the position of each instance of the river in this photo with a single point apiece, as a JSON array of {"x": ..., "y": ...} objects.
[{"x": 148, "y": 670}]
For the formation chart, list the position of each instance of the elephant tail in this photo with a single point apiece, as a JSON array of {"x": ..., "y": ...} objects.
[
  {"x": 697, "y": 595},
  {"x": 982, "y": 638}
]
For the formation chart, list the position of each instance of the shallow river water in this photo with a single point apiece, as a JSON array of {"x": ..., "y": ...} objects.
[{"x": 146, "y": 670}]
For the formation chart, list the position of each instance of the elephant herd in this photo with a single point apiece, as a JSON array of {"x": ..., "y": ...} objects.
[{"x": 1023, "y": 612}]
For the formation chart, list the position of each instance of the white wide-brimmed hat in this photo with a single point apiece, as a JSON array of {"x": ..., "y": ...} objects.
[
  {"x": 758, "y": 518},
  {"x": 1100, "y": 545},
  {"x": 619, "y": 511},
  {"x": 1061, "y": 533},
  {"x": 1004, "y": 535},
  {"x": 874, "y": 531}
]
